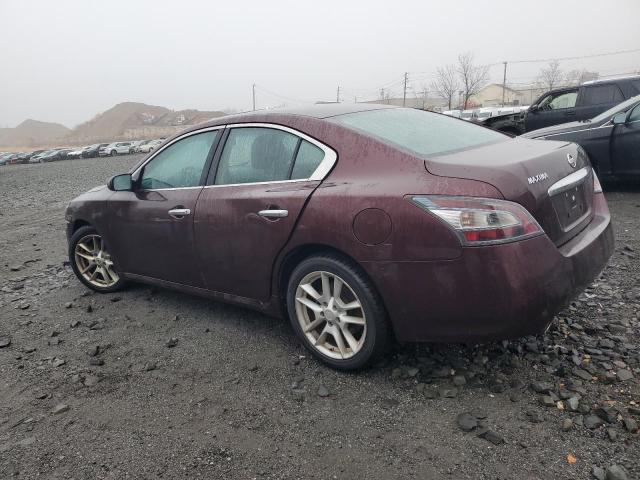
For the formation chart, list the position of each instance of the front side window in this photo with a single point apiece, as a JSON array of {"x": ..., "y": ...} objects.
[
  {"x": 635, "y": 115},
  {"x": 559, "y": 101},
  {"x": 424, "y": 133},
  {"x": 180, "y": 164},
  {"x": 256, "y": 154},
  {"x": 599, "y": 94}
]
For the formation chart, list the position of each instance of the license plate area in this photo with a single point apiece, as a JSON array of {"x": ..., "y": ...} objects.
[{"x": 571, "y": 206}]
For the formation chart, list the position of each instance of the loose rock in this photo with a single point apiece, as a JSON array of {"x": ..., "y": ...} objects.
[
  {"x": 60, "y": 408},
  {"x": 616, "y": 472},
  {"x": 467, "y": 422}
]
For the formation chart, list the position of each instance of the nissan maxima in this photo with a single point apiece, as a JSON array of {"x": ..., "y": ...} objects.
[{"x": 361, "y": 223}]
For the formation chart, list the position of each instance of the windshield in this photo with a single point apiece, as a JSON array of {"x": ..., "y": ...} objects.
[
  {"x": 484, "y": 114},
  {"x": 424, "y": 133},
  {"x": 621, "y": 107}
]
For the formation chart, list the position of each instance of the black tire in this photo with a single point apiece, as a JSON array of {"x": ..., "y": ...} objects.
[
  {"x": 75, "y": 238},
  {"x": 378, "y": 332},
  {"x": 113, "y": 153}
]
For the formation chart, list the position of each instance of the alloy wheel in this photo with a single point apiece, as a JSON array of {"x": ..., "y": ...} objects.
[
  {"x": 94, "y": 261},
  {"x": 330, "y": 315}
]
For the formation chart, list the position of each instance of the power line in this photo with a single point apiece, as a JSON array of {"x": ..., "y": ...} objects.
[{"x": 594, "y": 55}]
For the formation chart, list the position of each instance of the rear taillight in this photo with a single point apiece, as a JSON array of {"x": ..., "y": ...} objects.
[
  {"x": 597, "y": 188},
  {"x": 481, "y": 221}
]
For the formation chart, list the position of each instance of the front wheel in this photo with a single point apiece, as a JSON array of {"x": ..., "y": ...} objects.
[
  {"x": 92, "y": 262},
  {"x": 113, "y": 153},
  {"x": 336, "y": 312}
]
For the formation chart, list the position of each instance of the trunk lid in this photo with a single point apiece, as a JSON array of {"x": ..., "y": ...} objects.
[{"x": 523, "y": 170}]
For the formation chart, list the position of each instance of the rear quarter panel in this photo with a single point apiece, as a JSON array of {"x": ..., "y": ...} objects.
[{"x": 370, "y": 174}]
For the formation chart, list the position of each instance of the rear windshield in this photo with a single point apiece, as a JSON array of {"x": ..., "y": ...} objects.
[{"x": 424, "y": 133}]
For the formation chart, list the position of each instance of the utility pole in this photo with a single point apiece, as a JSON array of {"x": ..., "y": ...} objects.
[
  {"x": 253, "y": 91},
  {"x": 404, "y": 95},
  {"x": 504, "y": 81},
  {"x": 338, "y": 95}
]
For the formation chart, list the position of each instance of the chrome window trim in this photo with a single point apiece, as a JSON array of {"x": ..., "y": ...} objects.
[
  {"x": 271, "y": 182},
  {"x": 578, "y": 131},
  {"x": 327, "y": 163},
  {"x": 138, "y": 170},
  {"x": 569, "y": 181},
  {"x": 169, "y": 189}
]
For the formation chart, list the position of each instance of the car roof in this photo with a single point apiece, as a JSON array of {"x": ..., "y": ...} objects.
[
  {"x": 319, "y": 111},
  {"x": 612, "y": 79}
]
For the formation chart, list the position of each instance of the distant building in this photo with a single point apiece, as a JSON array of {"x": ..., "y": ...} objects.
[{"x": 492, "y": 95}]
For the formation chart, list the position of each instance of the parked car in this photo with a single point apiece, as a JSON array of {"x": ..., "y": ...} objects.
[
  {"x": 92, "y": 150},
  {"x": 77, "y": 153},
  {"x": 53, "y": 155},
  {"x": 12, "y": 158},
  {"x": 63, "y": 153},
  {"x": 4, "y": 158},
  {"x": 37, "y": 156},
  {"x": 116, "y": 148},
  {"x": 466, "y": 114},
  {"x": 285, "y": 212},
  {"x": 452, "y": 113},
  {"x": 134, "y": 145},
  {"x": 579, "y": 103},
  {"x": 24, "y": 157},
  {"x": 611, "y": 139},
  {"x": 149, "y": 146}
]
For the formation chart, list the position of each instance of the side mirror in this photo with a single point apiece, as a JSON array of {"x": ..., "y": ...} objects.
[
  {"x": 120, "y": 183},
  {"x": 619, "y": 118},
  {"x": 532, "y": 109}
]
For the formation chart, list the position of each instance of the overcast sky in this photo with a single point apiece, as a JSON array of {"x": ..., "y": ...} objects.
[{"x": 66, "y": 61}]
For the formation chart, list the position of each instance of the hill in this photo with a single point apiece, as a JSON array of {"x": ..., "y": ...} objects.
[
  {"x": 32, "y": 133},
  {"x": 130, "y": 120}
]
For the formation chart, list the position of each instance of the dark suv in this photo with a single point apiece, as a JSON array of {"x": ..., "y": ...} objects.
[{"x": 579, "y": 103}]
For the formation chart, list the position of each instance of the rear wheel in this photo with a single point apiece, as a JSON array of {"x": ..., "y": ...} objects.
[
  {"x": 336, "y": 312},
  {"x": 92, "y": 262}
]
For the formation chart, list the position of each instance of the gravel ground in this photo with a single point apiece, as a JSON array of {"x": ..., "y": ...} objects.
[{"x": 93, "y": 386}]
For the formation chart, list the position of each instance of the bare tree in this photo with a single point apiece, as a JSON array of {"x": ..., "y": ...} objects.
[
  {"x": 578, "y": 77},
  {"x": 473, "y": 77},
  {"x": 551, "y": 76},
  {"x": 446, "y": 83}
]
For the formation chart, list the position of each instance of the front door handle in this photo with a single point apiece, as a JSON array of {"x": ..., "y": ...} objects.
[
  {"x": 569, "y": 114},
  {"x": 179, "y": 212},
  {"x": 273, "y": 213}
]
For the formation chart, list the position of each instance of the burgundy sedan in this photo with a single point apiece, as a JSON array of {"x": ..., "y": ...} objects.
[{"x": 360, "y": 223}]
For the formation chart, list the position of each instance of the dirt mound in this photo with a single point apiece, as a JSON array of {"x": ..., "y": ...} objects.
[
  {"x": 128, "y": 116},
  {"x": 32, "y": 133}
]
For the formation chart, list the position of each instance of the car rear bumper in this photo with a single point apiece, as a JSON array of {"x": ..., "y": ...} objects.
[{"x": 493, "y": 292}]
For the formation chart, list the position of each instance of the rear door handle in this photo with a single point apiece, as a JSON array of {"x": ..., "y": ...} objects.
[
  {"x": 569, "y": 114},
  {"x": 273, "y": 213},
  {"x": 179, "y": 212}
]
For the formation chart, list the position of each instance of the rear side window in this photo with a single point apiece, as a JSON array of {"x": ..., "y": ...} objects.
[
  {"x": 307, "y": 161},
  {"x": 256, "y": 154},
  {"x": 424, "y": 133},
  {"x": 599, "y": 94}
]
